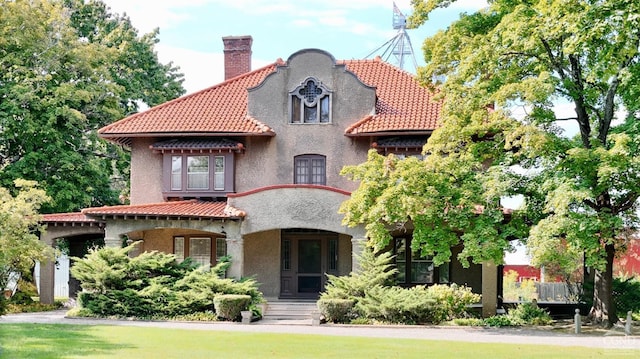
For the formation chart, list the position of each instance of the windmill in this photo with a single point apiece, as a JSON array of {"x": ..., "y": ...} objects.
[{"x": 398, "y": 46}]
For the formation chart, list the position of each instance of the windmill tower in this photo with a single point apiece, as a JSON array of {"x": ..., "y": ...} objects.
[{"x": 398, "y": 46}]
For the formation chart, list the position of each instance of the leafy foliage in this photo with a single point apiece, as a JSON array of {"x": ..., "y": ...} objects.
[
  {"x": 530, "y": 313},
  {"x": 336, "y": 310},
  {"x": 151, "y": 285},
  {"x": 374, "y": 270},
  {"x": 229, "y": 306},
  {"x": 524, "y": 314},
  {"x": 371, "y": 293},
  {"x": 69, "y": 68},
  {"x": 580, "y": 191},
  {"x": 20, "y": 246},
  {"x": 626, "y": 294}
]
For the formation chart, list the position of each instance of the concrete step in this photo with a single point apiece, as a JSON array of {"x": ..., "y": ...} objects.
[{"x": 289, "y": 309}]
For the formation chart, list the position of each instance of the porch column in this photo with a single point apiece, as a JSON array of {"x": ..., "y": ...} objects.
[
  {"x": 489, "y": 289},
  {"x": 235, "y": 249},
  {"x": 357, "y": 246},
  {"x": 47, "y": 274}
]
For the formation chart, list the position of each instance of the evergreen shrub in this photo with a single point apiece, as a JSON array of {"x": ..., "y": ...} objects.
[
  {"x": 372, "y": 290},
  {"x": 152, "y": 285}
]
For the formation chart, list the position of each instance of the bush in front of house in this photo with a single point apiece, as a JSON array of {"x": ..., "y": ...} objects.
[
  {"x": 530, "y": 313},
  {"x": 375, "y": 297},
  {"x": 229, "y": 306},
  {"x": 373, "y": 270},
  {"x": 336, "y": 310},
  {"x": 151, "y": 285},
  {"x": 398, "y": 305},
  {"x": 524, "y": 314}
]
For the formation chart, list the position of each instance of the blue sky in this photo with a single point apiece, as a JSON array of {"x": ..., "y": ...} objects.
[{"x": 191, "y": 30}]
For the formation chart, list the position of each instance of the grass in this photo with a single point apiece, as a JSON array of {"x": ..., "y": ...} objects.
[{"x": 81, "y": 341}]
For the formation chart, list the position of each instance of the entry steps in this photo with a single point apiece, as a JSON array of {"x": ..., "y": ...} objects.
[{"x": 280, "y": 309}]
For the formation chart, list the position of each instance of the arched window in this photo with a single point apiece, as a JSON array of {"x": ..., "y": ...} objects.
[{"x": 310, "y": 103}]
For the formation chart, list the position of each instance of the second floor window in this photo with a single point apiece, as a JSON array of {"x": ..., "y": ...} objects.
[
  {"x": 310, "y": 103},
  {"x": 199, "y": 173},
  {"x": 310, "y": 169}
]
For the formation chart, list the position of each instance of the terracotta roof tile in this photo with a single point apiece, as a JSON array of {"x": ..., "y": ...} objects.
[
  {"x": 403, "y": 105},
  {"x": 75, "y": 217},
  {"x": 218, "y": 109},
  {"x": 180, "y": 209}
]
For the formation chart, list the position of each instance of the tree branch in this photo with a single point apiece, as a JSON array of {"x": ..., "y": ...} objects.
[
  {"x": 626, "y": 202},
  {"x": 591, "y": 204},
  {"x": 578, "y": 99}
]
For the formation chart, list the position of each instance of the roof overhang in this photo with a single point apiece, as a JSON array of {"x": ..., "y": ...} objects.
[
  {"x": 125, "y": 139},
  {"x": 172, "y": 210},
  {"x": 391, "y": 133}
]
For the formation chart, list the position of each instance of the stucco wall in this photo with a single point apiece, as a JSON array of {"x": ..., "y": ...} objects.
[
  {"x": 262, "y": 260},
  {"x": 344, "y": 254},
  {"x": 270, "y": 161},
  {"x": 315, "y": 208},
  {"x": 146, "y": 172}
]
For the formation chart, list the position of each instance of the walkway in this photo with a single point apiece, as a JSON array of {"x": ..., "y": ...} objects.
[{"x": 613, "y": 339}]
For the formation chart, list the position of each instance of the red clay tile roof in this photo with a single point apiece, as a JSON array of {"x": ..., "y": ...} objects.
[
  {"x": 175, "y": 209},
  {"x": 218, "y": 109},
  {"x": 403, "y": 105},
  {"x": 75, "y": 217}
]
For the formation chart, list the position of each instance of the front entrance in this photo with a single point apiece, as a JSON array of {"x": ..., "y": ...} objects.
[{"x": 305, "y": 258}]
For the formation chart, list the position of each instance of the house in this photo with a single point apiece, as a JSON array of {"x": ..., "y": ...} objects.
[{"x": 250, "y": 168}]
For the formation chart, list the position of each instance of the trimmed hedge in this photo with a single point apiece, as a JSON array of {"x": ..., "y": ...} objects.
[
  {"x": 229, "y": 306},
  {"x": 336, "y": 310}
]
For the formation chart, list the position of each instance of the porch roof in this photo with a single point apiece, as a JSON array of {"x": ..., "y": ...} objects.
[
  {"x": 189, "y": 209},
  {"x": 69, "y": 219}
]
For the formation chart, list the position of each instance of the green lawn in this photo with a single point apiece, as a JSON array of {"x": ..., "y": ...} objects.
[{"x": 80, "y": 341}]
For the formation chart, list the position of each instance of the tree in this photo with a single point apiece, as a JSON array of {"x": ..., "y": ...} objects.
[
  {"x": 69, "y": 68},
  {"x": 20, "y": 246},
  {"x": 580, "y": 192}
]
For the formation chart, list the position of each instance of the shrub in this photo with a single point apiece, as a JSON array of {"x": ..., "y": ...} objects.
[
  {"x": 397, "y": 305},
  {"x": 452, "y": 301},
  {"x": 152, "y": 285},
  {"x": 374, "y": 270},
  {"x": 229, "y": 306},
  {"x": 525, "y": 313},
  {"x": 336, "y": 310},
  {"x": 626, "y": 295},
  {"x": 530, "y": 313},
  {"x": 370, "y": 289},
  {"x": 503, "y": 321}
]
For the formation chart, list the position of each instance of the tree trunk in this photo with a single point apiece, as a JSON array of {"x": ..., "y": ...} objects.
[{"x": 603, "y": 310}]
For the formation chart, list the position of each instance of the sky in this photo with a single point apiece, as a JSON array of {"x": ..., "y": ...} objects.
[{"x": 191, "y": 31}]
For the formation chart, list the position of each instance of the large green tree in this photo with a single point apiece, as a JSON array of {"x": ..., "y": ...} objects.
[
  {"x": 68, "y": 68},
  {"x": 580, "y": 191},
  {"x": 20, "y": 246}
]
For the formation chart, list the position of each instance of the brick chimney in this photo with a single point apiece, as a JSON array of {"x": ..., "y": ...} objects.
[{"x": 237, "y": 55}]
